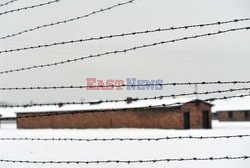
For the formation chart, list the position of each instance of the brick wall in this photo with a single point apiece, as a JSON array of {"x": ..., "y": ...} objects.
[
  {"x": 236, "y": 116},
  {"x": 196, "y": 114},
  {"x": 169, "y": 118}
]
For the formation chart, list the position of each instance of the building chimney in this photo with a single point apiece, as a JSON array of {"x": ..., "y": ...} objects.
[{"x": 129, "y": 100}]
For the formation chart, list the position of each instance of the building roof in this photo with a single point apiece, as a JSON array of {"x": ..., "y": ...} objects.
[
  {"x": 197, "y": 101},
  {"x": 95, "y": 105},
  {"x": 240, "y": 104}
]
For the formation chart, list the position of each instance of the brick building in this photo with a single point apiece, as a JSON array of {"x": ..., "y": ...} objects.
[
  {"x": 234, "y": 115},
  {"x": 232, "y": 109},
  {"x": 193, "y": 114}
]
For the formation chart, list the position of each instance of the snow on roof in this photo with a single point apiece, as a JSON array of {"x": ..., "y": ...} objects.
[
  {"x": 219, "y": 105},
  {"x": 7, "y": 112},
  {"x": 11, "y": 112},
  {"x": 232, "y": 104}
]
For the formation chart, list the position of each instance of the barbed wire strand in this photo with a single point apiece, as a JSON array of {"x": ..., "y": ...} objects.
[
  {"x": 121, "y": 35},
  {"x": 28, "y": 7},
  {"x": 68, "y": 20},
  {"x": 123, "y": 85},
  {"x": 3, "y": 4},
  {"x": 127, "y": 161},
  {"x": 124, "y": 100},
  {"x": 48, "y": 114},
  {"x": 127, "y": 139},
  {"x": 123, "y": 51}
]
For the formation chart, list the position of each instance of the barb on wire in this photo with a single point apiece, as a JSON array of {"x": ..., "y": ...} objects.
[
  {"x": 123, "y": 85},
  {"x": 133, "y": 99},
  {"x": 120, "y": 35},
  {"x": 127, "y": 139},
  {"x": 6, "y": 3},
  {"x": 124, "y": 50},
  {"x": 68, "y": 20},
  {"x": 48, "y": 114},
  {"x": 29, "y": 7},
  {"x": 127, "y": 161}
]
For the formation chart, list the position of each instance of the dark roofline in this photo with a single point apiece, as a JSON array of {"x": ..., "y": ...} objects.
[
  {"x": 98, "y": 110},
  {"x": 8, "y": 118}
]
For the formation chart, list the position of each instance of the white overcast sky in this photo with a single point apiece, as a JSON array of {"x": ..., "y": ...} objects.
[{"x": 222, "y": 57}]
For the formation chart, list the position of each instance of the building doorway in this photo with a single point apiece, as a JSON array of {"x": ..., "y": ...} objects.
[
  {"x": 186, "y": 120},
  {"x": 205, "y": 119}
]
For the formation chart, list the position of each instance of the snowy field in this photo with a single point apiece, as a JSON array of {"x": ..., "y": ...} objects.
[{"x": 127, "y": 150}]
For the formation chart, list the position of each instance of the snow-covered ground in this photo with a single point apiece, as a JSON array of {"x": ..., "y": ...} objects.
[{"x": 127, "y": 150}]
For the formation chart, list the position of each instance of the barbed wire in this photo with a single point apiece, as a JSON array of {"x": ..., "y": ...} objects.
[
  {"x": 124, "y": 100},
  {"x": 67, "y": 20},
  {"x": 123, "y": 85},
  {"x": 123, "y": 51},
  {"x": 121, "y": 35},
  {"x": 29, "y": 7},
  {"x": 127, "y": 161},
  {"x": 127, "y": 139},
  {"x": 8, "y": 119},
  {"x": 6, "y": 3},
  {"x": 47, "y": 114}
]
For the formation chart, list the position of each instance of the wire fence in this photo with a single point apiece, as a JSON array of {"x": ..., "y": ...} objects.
[
  {"x": 128, "y": 161},
  {"x": 123, "y": 35},
  {"x": 132, "y": 99},
  {"x": 114, "y": 161},
  {"x": 55, "y": 113},
  {"x": 67, "y": 20},
  {"x": 29, "y": 7},
  {"x": 123, "y": 51},
  {"x": 124, "y": 85},
  {"x": 127, "y": 139},
  {"x": 9, "y": 2}
]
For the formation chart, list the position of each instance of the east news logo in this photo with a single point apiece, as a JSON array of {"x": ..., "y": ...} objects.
[{"x": 131, "y": 84}]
